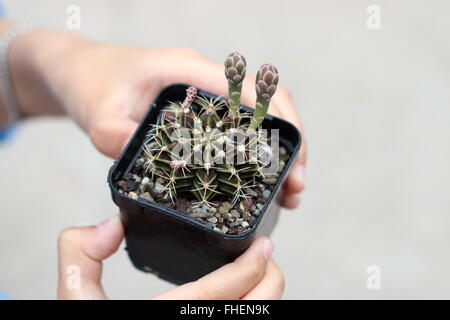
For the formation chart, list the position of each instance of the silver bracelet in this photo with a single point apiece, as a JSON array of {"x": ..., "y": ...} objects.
[{"x": 6, "y": 89}]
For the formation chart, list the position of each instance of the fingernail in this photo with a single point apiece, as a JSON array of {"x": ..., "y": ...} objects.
[
  {"x": 267, "y": 249},
  {"x": 106, "y": 223}
]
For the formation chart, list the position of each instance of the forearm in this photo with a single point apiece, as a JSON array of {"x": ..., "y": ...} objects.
[
  {"x": 37, "y": 63},
  {"x": 3, "y": 114}
]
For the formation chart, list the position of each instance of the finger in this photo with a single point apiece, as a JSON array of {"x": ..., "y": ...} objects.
[
  {"x": 271, "y": 286},
  {"x": 81, "y": 251},
  {"x": 295, "y": 181},
  {"x": 290, "y": 200},
  {"x": 233, "y": 280},
  {"x": 110, "y": 135}
]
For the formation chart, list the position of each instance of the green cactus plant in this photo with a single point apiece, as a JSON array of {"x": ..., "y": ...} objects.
[{"x": 203, "y": 147}]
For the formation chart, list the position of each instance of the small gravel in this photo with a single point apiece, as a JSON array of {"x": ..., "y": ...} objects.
[
  {"x": 270, "y": 180},
  {"x": 235, "y": 213},
  {"x": 182, "y": 205},
  {"x": 211, "y": 210},
  {"x": 251, "y": 192},
  {"x": 160, "y": 180},
  {"x": 133, "y": 195},
  {"x": 281, "y": 165},
  {"x": 146, "y": 196},
  {"x": 213, "y": 220},
  {"x": 200, "y": 214},
  {"x": 159, "y": 188},
  {"x": 266, "y": 194},
  {"x": 246, "y": 204},
  {"x": 225, "y": 207}
]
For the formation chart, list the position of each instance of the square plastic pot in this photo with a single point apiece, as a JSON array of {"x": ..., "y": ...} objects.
[{"x": 171, "y": 244}]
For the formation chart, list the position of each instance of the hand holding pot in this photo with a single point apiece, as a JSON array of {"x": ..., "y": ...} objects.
[
  {"x": 254, "y": 275},
  {"x": 107, "y": 88}
]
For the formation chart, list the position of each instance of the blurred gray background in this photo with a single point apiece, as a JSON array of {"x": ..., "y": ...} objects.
[{"x": 376, "y": 108}]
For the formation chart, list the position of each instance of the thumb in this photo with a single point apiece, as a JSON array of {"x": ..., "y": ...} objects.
[
  {"x": 110, "y": 135},
  {"x": 81, "y": 251},
  {"x": 231, "y": 281}
]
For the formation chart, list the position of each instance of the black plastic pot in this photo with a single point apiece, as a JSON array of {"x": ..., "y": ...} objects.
[{"x": 171, "y": 244}]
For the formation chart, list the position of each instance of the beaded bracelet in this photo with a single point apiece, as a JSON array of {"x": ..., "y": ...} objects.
[{"x": 6, "y": 89}]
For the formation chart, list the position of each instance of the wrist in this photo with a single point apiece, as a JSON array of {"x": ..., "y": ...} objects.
[{"x": 38, "y": 63}]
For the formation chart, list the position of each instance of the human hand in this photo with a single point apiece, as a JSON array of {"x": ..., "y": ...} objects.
[
  {"x": 107, "y": 89},
  {"x": 254, "y": 275}
]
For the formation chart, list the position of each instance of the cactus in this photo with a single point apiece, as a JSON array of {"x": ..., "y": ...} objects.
[{"x": 203, "y": 147}]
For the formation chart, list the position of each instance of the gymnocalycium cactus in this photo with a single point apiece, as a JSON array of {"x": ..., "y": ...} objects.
[{"x": 203, "y": 147}]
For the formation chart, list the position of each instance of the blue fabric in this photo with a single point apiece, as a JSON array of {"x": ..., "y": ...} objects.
[
  {"x": 4, "y": 297},
  {"x": 4, "y": 134},
  {"x": 8, "y": 131}
]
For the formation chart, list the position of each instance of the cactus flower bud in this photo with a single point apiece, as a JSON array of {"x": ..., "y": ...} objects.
[
  {"x": 266, "y": 81},
  {"x": 191, "y": 94},
  {"x": 235, "y": 69},
  {"x": 265, "y": 85}
]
